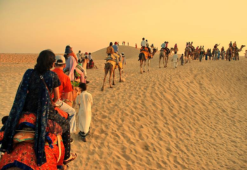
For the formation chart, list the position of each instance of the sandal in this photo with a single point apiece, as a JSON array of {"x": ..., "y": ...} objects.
[{"x": 71, "y": 158}]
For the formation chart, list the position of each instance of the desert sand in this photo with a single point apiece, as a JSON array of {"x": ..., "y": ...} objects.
[{"x": 193, "y": 117}]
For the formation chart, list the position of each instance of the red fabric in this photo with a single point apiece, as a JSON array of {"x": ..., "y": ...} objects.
[
  {"x": 28, "y": 117},
  {"x": 65, "y": 86},
  {"x": 62, "y": 113},
  {"x": 24, "y": 153},
  {"x": 1, "y": 135}
]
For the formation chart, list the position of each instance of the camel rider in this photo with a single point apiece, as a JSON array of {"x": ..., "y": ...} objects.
[
  {"x": 230, "y": 45},
  {"x": 111, "y": 54},
  {"x": 166, "y": 48},
  {"x": 147, "y": 45},
  {"x": 187, "y": 45},
  {"x": 143, "y": 43},
  {"x": 115, "y": 47},
  {"x": 222, "y": 49},
  {"x": 176, "y": 47},
  {"x": 163, "y": 45}
]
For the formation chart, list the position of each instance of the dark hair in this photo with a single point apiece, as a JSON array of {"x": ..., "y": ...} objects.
[
  {"x": 175, "y": 52},
  {"x": 4, "y": 119},
  {"x": 45, "y": 61},
  {"x": 83, "y": 86},
  {"x": 79, "y": 51},
  {"x": 110, "y": 43}
]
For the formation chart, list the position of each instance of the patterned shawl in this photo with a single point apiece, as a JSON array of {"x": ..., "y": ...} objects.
[{"x": 41, "y": 117}]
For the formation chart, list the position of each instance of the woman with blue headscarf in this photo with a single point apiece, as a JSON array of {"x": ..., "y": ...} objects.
[{"x": 33, "y": 109}]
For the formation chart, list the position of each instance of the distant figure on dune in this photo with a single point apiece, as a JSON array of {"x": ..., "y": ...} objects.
[{"x": 136, "y": 45}]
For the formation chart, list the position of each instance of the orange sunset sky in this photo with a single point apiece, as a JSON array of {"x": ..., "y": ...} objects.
[{"x": 29, "y": 26}]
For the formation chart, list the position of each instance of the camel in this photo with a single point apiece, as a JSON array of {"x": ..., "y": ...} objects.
[
  {"x": 165, "y": 55},
  {"x": 215, "y": 53},
  {"x": 111, "y": 66},
  {"x": 235, "y": 52},
  {"x": 222, "y": 53},
  {"x": 188, "y": 53},
  {"x": 196, "y": 54},
  {"x": 229, "y": 53},
  {"x": 143, "y": 56}
]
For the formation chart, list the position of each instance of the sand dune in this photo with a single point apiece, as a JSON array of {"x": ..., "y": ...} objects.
[
  {"x": 192, "y": 117},
  {"x": 128, "y": 51}
]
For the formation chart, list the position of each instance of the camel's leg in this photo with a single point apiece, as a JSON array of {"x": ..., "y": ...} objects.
[
  {"x": 113, "y": 82},
  {"x": 148, "y": 63},
  {"x": 141, "y": 62},
  {"x": 159, "y": 62},
  {"x": 144, "y": 65},
  {"x": 106, "y": 72},
  {"x": 165, "y": 62},
  {"x": 111, "y": 72},
  {"x": 120, "y": 74}
]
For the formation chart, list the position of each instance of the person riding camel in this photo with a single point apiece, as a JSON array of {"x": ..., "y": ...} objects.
[
  {"x": 166, "y": 48},
  {"x": 111, "y": 54},
  {"x": 71, "y": 65},
  {"x": 163, "y": 45},
  {"x": 176, "y": 47},
  {"x": 115, "y": 47},
  {"x": 147, "y": 45},
  {"x": 143, "y": 43}
]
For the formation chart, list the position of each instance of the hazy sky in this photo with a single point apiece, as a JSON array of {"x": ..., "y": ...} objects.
[{"x": 29, "y": 26}]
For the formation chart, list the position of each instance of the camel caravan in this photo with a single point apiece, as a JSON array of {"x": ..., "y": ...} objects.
[{"x": 192, "y": 53}]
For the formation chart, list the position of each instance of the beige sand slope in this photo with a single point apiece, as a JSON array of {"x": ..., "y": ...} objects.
[
  {"x": 192, "y": 117},
  {"x": 128, "y": 51}
]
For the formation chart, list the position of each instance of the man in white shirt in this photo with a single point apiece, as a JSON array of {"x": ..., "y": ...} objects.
[
  {"x": 79, "y": 55},
  {"x": 175, "y": 59},
  {"x": 143, "y": 43}
]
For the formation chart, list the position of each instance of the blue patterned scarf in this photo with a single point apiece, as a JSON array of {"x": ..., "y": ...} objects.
[{"x": 42, "y": 116}]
